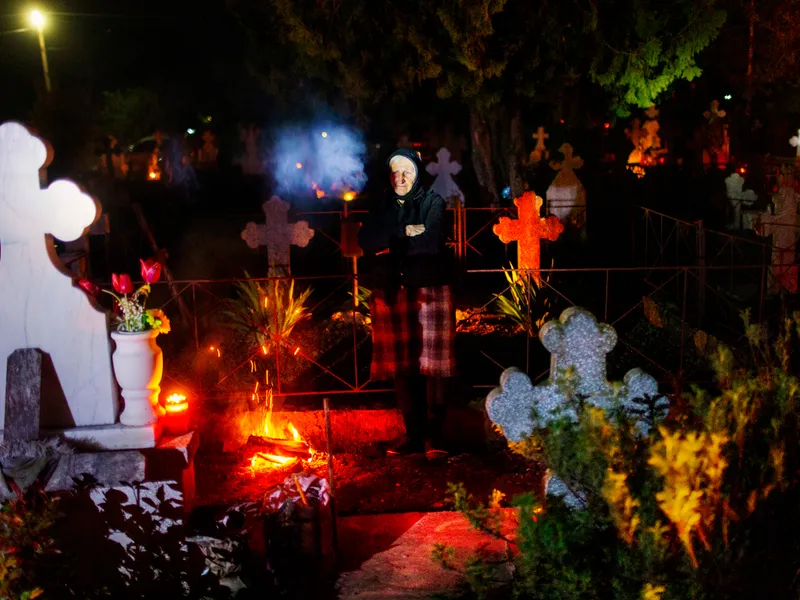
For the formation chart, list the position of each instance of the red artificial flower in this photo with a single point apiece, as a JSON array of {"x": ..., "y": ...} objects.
[
  {"x": 122, "y": 283},
  {"x": 89, "y": 287},
  {"x": 151, "y": 270}
]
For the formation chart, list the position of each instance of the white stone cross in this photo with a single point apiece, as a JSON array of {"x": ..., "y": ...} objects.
[
  {"x": 784, "y": 227},
  {"x": 795, "y": 141},
  {"x": 39, "y": 305},
  {"x": 277, "y": 235},
  {"x": 444, "y": 169},
  {"x": 566, "y": 196},
  {"x": 737, "y": 197},
  {"x": 540, "y": 152}
]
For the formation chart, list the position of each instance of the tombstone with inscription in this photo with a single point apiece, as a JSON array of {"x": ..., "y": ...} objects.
[
  {"x": 278, "y": 235},
  {"x": 566, "y": 196},
  {"x": 578, "y": 346}
]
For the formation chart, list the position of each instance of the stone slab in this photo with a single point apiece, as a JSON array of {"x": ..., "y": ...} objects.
[
  {"x": 111, "y": 437},
  {"x": 23, "y": 395},
  {"x": 108, "y": 468},
  {"x": 406, "y": 570}
]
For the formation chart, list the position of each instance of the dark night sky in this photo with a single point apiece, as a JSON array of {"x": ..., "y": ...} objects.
[{"x": 191, "y": 47}]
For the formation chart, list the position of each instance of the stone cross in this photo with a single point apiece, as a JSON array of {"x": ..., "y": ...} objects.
[
  {"x": 540, "y": 152},
  {"x": 39, "y": 305},
  {"x": 795, "y": 141},
  {"x": 737, "y": 197},
  {"x": 566, "y": 196},
  {"x": 652, "y": 112},
  {"x": 528, "y": 230},
  {"x": 784, "y": 227},
  {"x": 578, "y": 346},
  {"x": 277, "y": 235},
  {"x": 444, "y": 169},
  {"x": 250, "y": 161}
]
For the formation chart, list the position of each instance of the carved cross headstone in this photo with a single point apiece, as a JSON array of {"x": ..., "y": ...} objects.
[
  {"x": 795, "y": 141},
  {"x": 652, "y": 112},
  {"x": 540, "y": 152},
  {"x": 39, "y": 305},
  {"x": 737, "y": 197},
  {"x": 716, "y": 143},
  {"x": 528, "y": 230},
  {"x": 444, "y": 184},
  {"x": 714, "y": 112},
  {"x": 277, "y": 235},
  {"x": 578, "y": 346},
  {"x": 250, "y": 161},
  {"x": 784, "y": 227},
  {"x": 566, "y": 196}
]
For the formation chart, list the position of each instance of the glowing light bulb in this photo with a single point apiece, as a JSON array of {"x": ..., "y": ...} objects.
[
  {"x": 37, "y": 19},
  {"x": 349, "y": 196},
  {"x": 728, "y": 96},
  {"x": 190, "y": 131},
  {"x": 324, "y": 134}
]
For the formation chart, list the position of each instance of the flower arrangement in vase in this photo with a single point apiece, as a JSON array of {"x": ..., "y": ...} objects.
[{"x": 137, "y": 359}]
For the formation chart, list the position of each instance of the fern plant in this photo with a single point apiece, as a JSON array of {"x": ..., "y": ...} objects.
[
  {"x": 527, "y": 302},
  {"x": 264, "y": 312}
]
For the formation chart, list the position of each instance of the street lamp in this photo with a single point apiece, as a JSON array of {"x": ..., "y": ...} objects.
[{"x": 37, "y": 20}]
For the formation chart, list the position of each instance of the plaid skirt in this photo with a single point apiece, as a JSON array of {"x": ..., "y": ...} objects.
[{"x": 413, "y": 333}]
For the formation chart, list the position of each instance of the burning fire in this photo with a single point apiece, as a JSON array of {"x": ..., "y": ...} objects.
[{"x": 285, "y": 440}]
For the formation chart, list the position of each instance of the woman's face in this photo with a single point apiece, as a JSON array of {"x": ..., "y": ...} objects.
[{"x": 403, "y": 175}]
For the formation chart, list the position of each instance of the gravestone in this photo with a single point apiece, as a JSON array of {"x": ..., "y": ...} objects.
[
  {"x": 566, "y": 196},
  {"x": 23, "y": 395},
  {"x": 578, "y": 346},
  {"x": 444, "y": 184},
  {"x": 277, "y": 235},
  {"x": 39, "y": 305},
  {"x": 250, "y": 161},
  {"x": 540, "y": 152},
  {"x": 795, "y": 141},
  {"x": 738, "y": 198},
  {"x": 782, "y": 225},
  {"x": 716, "y": 144},
  {"x": 528, "y": 231}
]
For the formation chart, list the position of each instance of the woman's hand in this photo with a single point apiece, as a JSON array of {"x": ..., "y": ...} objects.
[{"x": 413, "y": 230}]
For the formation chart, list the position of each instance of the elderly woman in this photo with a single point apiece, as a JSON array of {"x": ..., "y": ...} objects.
[{"x": 413, "y": 318}]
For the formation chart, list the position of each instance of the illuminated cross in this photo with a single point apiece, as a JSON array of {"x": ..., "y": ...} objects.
[
  {"x": 652, "y": 112},
  {"x": 540, "y": 152},
  {"x": 795, "y": 141},
  {"x": 715, "y": 112},
  {"x": 277, "y": 235},
  {"x": 528, "y": 231},
  {"x": 784, "y": 227}
]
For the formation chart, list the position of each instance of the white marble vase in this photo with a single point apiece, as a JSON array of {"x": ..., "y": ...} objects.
[{"x": 138, "y": 366}]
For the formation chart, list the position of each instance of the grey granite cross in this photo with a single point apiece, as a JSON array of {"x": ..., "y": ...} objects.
[{"x": 578, "y": 345}]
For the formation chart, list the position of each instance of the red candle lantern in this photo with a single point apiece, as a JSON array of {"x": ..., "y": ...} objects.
[{"x": 176, "y": 417}]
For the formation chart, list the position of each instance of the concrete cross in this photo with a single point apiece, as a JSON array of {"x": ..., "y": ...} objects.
[
  {"x": 208, "y": 153},
  {"x": 795, "y": 141},
  {"x": 444, "y": 169},
  {"x": 569, "y": 164},
  {"x": 540, "y": 152},
  {"x": 277, "y": 235},
  {"x": 528, "y": 231},
  {"x": 715, "y": 112},
  {"x": 652, "y": 112},
  {"x": 784, "y": 227}
]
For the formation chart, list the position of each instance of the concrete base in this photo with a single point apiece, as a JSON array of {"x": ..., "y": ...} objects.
[
  {"x": 171, "y": 460},
  {"x": 110, "y": 437}
]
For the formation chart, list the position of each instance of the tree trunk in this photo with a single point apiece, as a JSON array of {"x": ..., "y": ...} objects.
[{"x": 482, "y": 153}]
